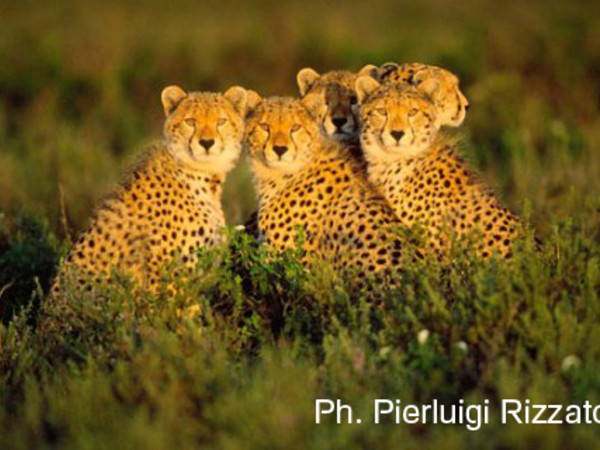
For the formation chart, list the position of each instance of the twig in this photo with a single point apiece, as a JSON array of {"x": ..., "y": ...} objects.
[{"x": 63, "y": 213}]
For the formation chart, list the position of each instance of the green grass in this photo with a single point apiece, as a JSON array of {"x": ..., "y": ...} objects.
[
  {"x": 271, "y": 338},
  {"x": 79, "y": 96}
]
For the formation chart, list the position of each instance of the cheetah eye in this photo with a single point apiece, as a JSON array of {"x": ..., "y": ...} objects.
[
  {"x": 264, "y": 126},
  {"x": 413, "y": 112},
  {"x": 353, "y": 100},
  {"x": 190, "y": 121},
  {"x": 381, "y": 111},
  {"x": 296, "y": 127},
  {"x": 221, "y": 121}
]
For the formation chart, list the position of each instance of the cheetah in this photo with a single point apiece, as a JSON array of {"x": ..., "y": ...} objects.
[
  {"x": 306, "y": 181},
  {"x": 331, "y": 100},
  {"x": 420, "y": 172},
  {"x": 441, "y": 85},
  {"x": 170, "y": 203}
]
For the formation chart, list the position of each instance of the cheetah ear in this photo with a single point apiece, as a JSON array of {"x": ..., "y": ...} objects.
[
  {"x": 238, "y": 97},
  {"x": 429, "y": 87},
  {"x": 370, "y": 71},
  {"x": 171, "y": 97},
  {"x": 364, "y": 87},
  {"x": 386, "y": 69},
  {"x": 253, "y": 100},
  {"x": 315, "y": 105},
  {"x": 306, "y": 78}
]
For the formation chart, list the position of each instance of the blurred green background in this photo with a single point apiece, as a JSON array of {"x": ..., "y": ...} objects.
[{"x": 80, "y": 84}]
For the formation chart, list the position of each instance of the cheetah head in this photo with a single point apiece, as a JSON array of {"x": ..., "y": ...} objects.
[
  {"x": 331, "y": 100},
  {"x": 451, "y": 103},
  {"x": 279, "y": 134},
  {"x": 204, "y": 130},
  {"x": 396, "y": 121}
]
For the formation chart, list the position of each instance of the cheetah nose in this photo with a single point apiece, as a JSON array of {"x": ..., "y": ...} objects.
[
  {"x": 339, "y": 122},
  {"x": 207, "y": 143},
  {"x": 467, "y": 106},
  {"x": 280, "y": 150},
  {"x": 397, "y": 134}
]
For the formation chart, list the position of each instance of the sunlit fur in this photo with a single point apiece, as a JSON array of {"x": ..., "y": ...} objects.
[
  {"x": 396, "y": 121},
  {"x": 331, "y": 100},
  {"x": 207, "y": 118},
  {"x": 169, "y": 205},
  {"x": 442, "y": 85},
  {"x": 274, "y": 124},
  {"x": 428, "y": 184},
  {"x": 320, "y": 189}
]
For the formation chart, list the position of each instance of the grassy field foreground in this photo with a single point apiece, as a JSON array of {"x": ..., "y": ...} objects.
[{"x": 79, "y": 94}]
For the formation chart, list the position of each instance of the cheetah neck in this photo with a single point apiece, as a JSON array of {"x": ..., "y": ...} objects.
[
  {"x": 383, "y": 168},
  {"x": 268, "y": 182}
]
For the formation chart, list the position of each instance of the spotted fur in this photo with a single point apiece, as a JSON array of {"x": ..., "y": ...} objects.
[
  {"x": 424, "y": 179},
  {"x": 439, "y": 84},
  {"x": 305, "y": 181},
  {"x": 170, "y": 204}
]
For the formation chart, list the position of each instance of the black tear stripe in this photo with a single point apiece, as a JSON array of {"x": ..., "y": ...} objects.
[
  {"x": 381, "y": 132},
  {"x": 384, "y": 124},
  {"x": 263, "y": 152},
  {"x": 263, "y": 148},
  {"x": 310, "y": 138},
  {"x": 322, "y": 124},
  {"x": 412, "y": 130},
  {"x": 223, "y": 145},
  {"x": 459, "y": 107},
  {"x": 266, "y": 140},
  {"x": 293, "y": 140},
  {"x": 189, "y": 142}
]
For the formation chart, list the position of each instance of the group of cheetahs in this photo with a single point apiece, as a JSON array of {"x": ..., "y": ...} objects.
[{"x": 353, "y": 161}]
